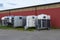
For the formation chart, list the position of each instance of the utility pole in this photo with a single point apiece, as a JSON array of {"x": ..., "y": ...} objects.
[{"x": 9, "y": 13}]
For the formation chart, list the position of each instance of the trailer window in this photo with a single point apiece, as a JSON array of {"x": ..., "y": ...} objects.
[
  {"x": 20, "y": 17},
  {"x": 44, "y": 17},
  {"x": 12, "y": 18},
  {"x": 33, "y": 17}
]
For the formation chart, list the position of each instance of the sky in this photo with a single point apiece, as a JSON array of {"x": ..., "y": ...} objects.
[{"x": 11, "y": 4}]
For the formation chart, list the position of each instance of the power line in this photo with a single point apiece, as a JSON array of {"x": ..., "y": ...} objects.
[{"x": 11, "y": 3}]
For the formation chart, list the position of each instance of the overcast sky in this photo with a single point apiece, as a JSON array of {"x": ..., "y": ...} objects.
[{"x": 10, "y": 4}]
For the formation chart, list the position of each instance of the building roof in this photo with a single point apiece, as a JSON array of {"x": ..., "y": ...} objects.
[{"x": 32, "y": 6}]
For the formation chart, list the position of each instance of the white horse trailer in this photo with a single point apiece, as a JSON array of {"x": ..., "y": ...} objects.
[
  {"x": 30, "y": 21},
  {"x": 6, "y": 20},
  {"x": 43, "y": 21},
  {"x": 19, "y": 21}
]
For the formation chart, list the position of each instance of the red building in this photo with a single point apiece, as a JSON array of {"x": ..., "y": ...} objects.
[{"x": 52, "y": 9}]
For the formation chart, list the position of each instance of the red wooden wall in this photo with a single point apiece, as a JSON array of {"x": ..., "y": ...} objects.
[
  {"x": 23, "y": 13},
  {"x": 4, "y": 14},
  {"x": 53, "y": 12}
]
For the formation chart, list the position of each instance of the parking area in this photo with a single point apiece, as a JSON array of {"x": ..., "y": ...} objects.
[{"x": 29, "y": 35}]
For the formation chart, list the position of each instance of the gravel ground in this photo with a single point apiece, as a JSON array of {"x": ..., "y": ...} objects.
[{"x": 29, "y": 35}]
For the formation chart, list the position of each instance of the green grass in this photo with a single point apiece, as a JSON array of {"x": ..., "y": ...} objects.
[
  {"x": 18, "y": 28},
  {"x": 6, "y": 27}
]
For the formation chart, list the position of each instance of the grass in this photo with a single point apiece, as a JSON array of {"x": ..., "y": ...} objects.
[{"x": 18, "y": 28}]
